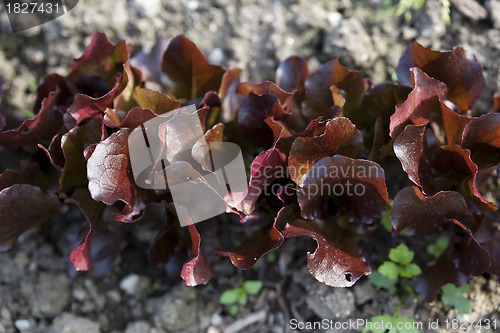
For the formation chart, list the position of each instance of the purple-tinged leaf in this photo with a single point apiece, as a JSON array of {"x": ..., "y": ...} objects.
[
  {"x": 81, "y": 256},
  {"x": 356, "y": 187},
  {"x": 251, "y": 118},
  {"x": 318, "y": 96},
  {"x": 54, "y": 152},
  {"x": 453, "y": 124},
  {"x": 409, "y": 149},
  {"x": 29, "y": 173},
  {"x": 337, "y": 262},
  {"x": 136, "y": 117},
  {"x": 379, "y": 101},
  {"x": 189, "y": 73},
  {"x": 102, "y": 59},
  {"x": 417, "y": 214},
  {"x": 196, "y": 270},
  {"x": 42, "y": 128},
  {"x": 85, "y": 107},
  {"x": 463, "y": 259},
  {"x": 50, "y": 83},
  {"x": 267, "y": 167},
  {"x": 109, "y": 175},
  {"x": 305, "y": 152},
  {"x": 291, "y": 75},
  {"x": 423, "y": 101},
  {"x": 15, "y": 218},
  {"x": 246, "y": 255},
  {"x": 458, "y": 69},
  {"x": 266, "y": 87},
  {"x": 482, "y": 137}
]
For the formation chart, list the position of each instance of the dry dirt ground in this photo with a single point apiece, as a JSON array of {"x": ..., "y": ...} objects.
[{"x": 38, "y": 290}]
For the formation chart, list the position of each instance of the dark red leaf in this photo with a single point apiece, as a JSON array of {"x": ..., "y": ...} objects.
[
  {"x": 453, "y": 124},
  {"x": 42, "y": 128},
  {"x": 85, "y": 107},
  {"x": 423, "y": 101},
  {"x": 29, "y": 173},
  {"x": 189, "y": 73},
  {"x": 251, "y": 118},
  {"x": 482, "y": 137},
  {"x": 266, "y": 87},
  {"x": 291, "y": 75},
  {"x": 356, "y": 187},
  {"x": 136, "y": 117},
  {"x": 109, "y": 174},
  {"x": 267, "y": 167},
  {"x": 81, "y": 256},
  {"x": 102, "y": 59},
  {"x": 463, "y": 259},
  {"x": 318, "y": 96},
  {"x": 52, "y": 82},
  {"x": 418, "y": 214},
  {"x": 197, "y": 270},
  {"x": 305, "y": 152},
  {"x": 246, "y": 255},
  {"x": 458, "y": 69},
  {"x": 409, "y": 149},
  {"x": 15, "y": 218},
  {"x": 380, "y": 101},
  {"x": 337, "y": 262}
]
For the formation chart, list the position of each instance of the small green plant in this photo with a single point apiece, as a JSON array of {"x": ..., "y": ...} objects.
[
  {"x": 237, "y": 298},
  {"x": 387, "y": 277},
  {"x": 400, "y": 264},
  {"x": 438, "y": 247},
  {"x": 453, "y": 296}
]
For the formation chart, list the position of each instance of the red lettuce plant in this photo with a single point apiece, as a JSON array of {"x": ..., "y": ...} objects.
[{"x": 320, "y": 148}]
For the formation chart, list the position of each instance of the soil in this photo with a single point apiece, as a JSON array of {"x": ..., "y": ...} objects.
[{"x": 39, "y": 291}]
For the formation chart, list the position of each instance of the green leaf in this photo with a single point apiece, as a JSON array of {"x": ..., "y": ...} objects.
[
  {"x": 401, "y": 254},
  {"x": 387, "y": 322},
  {"x": 380, "y": 281},
  {"x": 378, "y": 321},
  {"x": 410, "y": 270},
  {"x": 230, "y": 296},
  {"x": 438, "y": 247},
  {"x": 385, "y": 220},
  {"x": 252, "y": 287},
  {"x": 453, "y": 296},
  {"x": 234, "y": 310},
  {"x": 242, "y": 298},
  {"x": 389, "y": 269}
]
